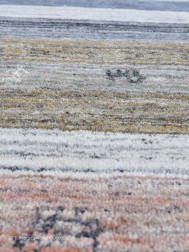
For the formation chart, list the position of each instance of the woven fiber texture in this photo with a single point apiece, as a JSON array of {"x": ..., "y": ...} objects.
[{"x": 94, "y": 126}]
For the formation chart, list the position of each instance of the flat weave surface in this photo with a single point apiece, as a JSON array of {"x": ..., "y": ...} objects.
[{"x": 94, "y": 125}]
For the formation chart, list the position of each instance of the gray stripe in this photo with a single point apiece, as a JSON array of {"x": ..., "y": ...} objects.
[
  {"x": 37, "y": 28},
  {"x": 90, "y": 77},
  {"x": 122, "y": 4}
]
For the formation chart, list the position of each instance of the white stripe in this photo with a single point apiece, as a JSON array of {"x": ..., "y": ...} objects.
[
  {"x": 99, "y": 153},
  {"x": 93, "y": 14}
]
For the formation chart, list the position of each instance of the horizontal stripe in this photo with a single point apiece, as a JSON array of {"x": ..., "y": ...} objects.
[
  {"x": 29, "y": 75},
  {"x": 121, "y": 4},
  {"x": 94, "y": 128},
  {"x": 51, "y": 28},
  {"x": 40, "y": 150},
  {"x": 80, "y": 13},
  {"x": 94, "y": 110},
  {"x": 94, "y": 52}
]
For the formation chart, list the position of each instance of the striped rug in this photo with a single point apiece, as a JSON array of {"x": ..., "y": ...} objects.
[{"x": 94, "y": 125}]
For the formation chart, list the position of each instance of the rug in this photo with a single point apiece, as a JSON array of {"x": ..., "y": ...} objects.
[{"x": 94, "y": 125}]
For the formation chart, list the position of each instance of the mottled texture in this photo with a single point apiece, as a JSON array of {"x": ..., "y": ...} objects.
[
  {"x": 92, "y": 154},
  {"x": 94, "y": 126},
  {"x": 96, "y": 111},
  {"x": 143, "y": 89},
  {"x": 116, "y": 214},
  {"x": 37, "y": 28}
]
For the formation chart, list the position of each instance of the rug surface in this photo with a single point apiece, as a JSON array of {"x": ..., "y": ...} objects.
[{"x": 94, "y": 125}]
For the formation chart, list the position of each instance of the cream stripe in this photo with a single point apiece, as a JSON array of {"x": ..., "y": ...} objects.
[
  {"x": 93, "y": 14},
  {"x": 92, "y": 152}
]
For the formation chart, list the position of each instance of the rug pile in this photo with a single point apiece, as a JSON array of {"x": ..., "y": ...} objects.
[{"x": 94, "y": 125}]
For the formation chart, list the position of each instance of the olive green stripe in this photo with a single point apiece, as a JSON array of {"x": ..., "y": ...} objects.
[
  {"x": 96, "y": 111},
  {"x": 94, "y": 52}
]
